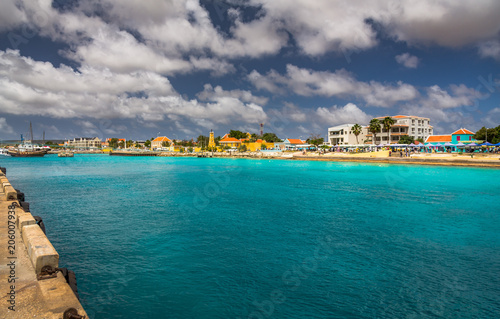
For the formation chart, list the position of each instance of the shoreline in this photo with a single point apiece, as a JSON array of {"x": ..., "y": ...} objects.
[
  {"x": 408, "y": 160},
  {"x": 421, "y": 159}
]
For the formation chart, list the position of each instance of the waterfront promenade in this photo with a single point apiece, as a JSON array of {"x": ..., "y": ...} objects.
[
  {"x": 440, "y": 159},
  {"x": 25, "y": 250}
]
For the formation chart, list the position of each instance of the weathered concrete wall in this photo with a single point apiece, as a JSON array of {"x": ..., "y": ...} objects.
[{"x": 26, "y": 290}]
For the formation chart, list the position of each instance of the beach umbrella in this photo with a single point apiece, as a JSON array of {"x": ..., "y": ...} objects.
[
  {"x": 412, "y": 145},
  {"x": 487, "y": 144},
  {"x": 460, "y": 145},
  {"x": 472, "y": 144},
  {"x": 448, "y": 144},
  {"x": 497, "y": 144}
]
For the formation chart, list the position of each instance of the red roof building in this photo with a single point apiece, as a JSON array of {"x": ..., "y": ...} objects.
[{"x": 438, "y": 139}]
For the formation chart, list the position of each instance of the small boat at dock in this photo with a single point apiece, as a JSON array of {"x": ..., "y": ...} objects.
[
  {"x": 4, "y": 152},
  {"x": 66, "y": 153}
]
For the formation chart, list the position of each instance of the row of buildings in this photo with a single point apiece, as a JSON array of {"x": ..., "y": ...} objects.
[
  {"x": 414, "y": 126},
  {"x": 340, "y": 135}
]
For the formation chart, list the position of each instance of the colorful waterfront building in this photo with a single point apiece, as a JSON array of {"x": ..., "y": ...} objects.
[
  {"x": 441, "y": 139},
  {"x": 343, "y": 135},
  {"x": 459, "y": 136},
  {"x": 257, "y": 145},
  {"x": 291, "y": 143},
  {"x": 84, "y": 143},
  {"x": 414, "y": 126},
  {"x": 462, "y": 136},
  {"x": 230, "y": 142},
  {"x": 158, "y": 142}
]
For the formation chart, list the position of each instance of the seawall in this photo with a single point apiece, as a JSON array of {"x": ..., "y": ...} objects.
[{"x": 31, "y": 283}]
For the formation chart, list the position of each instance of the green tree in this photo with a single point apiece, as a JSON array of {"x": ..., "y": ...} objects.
[
  {"x": 387, "y": 123},
  {"x": 315, "y": 139},
  {"x": 137, "y": 145},
  {"x": 374, "y": 128},
  {"x": 237, "y": 134},
  {"x": 420, "y": 139},
  {"x": 405, "y": 139},
  {"x": 263, "y": 147},
  {"x": 113, "y": 143},
  {"x": 190, "y": 149},
  {"x": 271, "y": 138},
  {"x": 147, "y": 143},
  {"x": 356, "y": 129},
  {"x": 202, "y": 141},
  {"x": 242, "y": 148},
  {"x": 130, "y": 143},
  {"x": 165, "y": 144},
  {"x": 492, "y": 135},
  {"x": 121, "y": 144}
]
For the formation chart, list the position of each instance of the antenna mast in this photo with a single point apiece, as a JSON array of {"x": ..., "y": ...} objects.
[{"x": 31, "y": 132}]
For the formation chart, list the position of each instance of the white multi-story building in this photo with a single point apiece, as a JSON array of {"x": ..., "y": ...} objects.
[
  {"x": 343, "y": 135},
  {"x": 84, "y": 143},
  {"x": 414, "y": 126}
]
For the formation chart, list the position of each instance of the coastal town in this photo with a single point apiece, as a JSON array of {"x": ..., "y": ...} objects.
[
  {"x": 382, "y": 133},
  {"x": 399, "y": 136}
]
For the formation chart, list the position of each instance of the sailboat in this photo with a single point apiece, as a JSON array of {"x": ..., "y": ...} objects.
[{"x": 26, "y": 149}]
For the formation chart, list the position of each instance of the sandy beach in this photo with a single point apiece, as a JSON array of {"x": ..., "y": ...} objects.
[{"x": 444, "y": 159}]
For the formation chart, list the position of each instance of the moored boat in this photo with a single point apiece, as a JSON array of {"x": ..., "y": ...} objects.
[
  {"x": 66, "y": 153},
  {"x": 4, "y": 152},
  {"x": 26, "y": 149}
]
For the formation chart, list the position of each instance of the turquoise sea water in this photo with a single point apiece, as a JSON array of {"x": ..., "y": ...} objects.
[{"x": 230, "y": 238}]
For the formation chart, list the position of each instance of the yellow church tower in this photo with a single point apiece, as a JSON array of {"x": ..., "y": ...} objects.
[{"x": 211, "y": 141}]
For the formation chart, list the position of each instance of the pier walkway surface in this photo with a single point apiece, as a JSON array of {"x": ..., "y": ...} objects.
[{"x": 31, "y": 285}]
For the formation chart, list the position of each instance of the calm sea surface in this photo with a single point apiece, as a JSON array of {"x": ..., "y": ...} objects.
[{"x": 225, "y": 238}]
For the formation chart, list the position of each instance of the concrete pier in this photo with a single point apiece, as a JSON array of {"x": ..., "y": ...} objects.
[{"x": 31, "y": 285}]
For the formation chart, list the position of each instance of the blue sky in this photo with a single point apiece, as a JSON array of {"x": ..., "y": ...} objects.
[{"x": 137, "y": 68}]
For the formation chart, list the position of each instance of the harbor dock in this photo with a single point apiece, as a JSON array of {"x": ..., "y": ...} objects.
[{"x": 32, "y": 285}]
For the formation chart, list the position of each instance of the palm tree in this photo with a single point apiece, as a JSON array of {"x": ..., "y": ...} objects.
[
  {"x": 374, "y": 127},
  {"x": 387, "y": 123},
  {"x": 356, "y": 130}
]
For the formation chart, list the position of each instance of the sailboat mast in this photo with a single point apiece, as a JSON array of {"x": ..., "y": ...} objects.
[{"x": 31, "y": 132}]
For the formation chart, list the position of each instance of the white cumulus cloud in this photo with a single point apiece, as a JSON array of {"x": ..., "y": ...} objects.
[
  {"x": 408, "y": 60},
  {"x": 99, "y": 93},
  {"x": 340, "y": 83},
  {"x": 349, "y": 113}
]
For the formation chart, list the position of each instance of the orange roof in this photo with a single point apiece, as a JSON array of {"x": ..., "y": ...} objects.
[
  {"x": 401, "y": 117},
  {"x": 438, "y": 138},
  {"x": 295, "y": 141},
  {"x": 162, "y": 139},
  {"x": 462, "y": 131},
  {"x": 259, "y": 141},
  {"x": 229, "y": 140}
]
